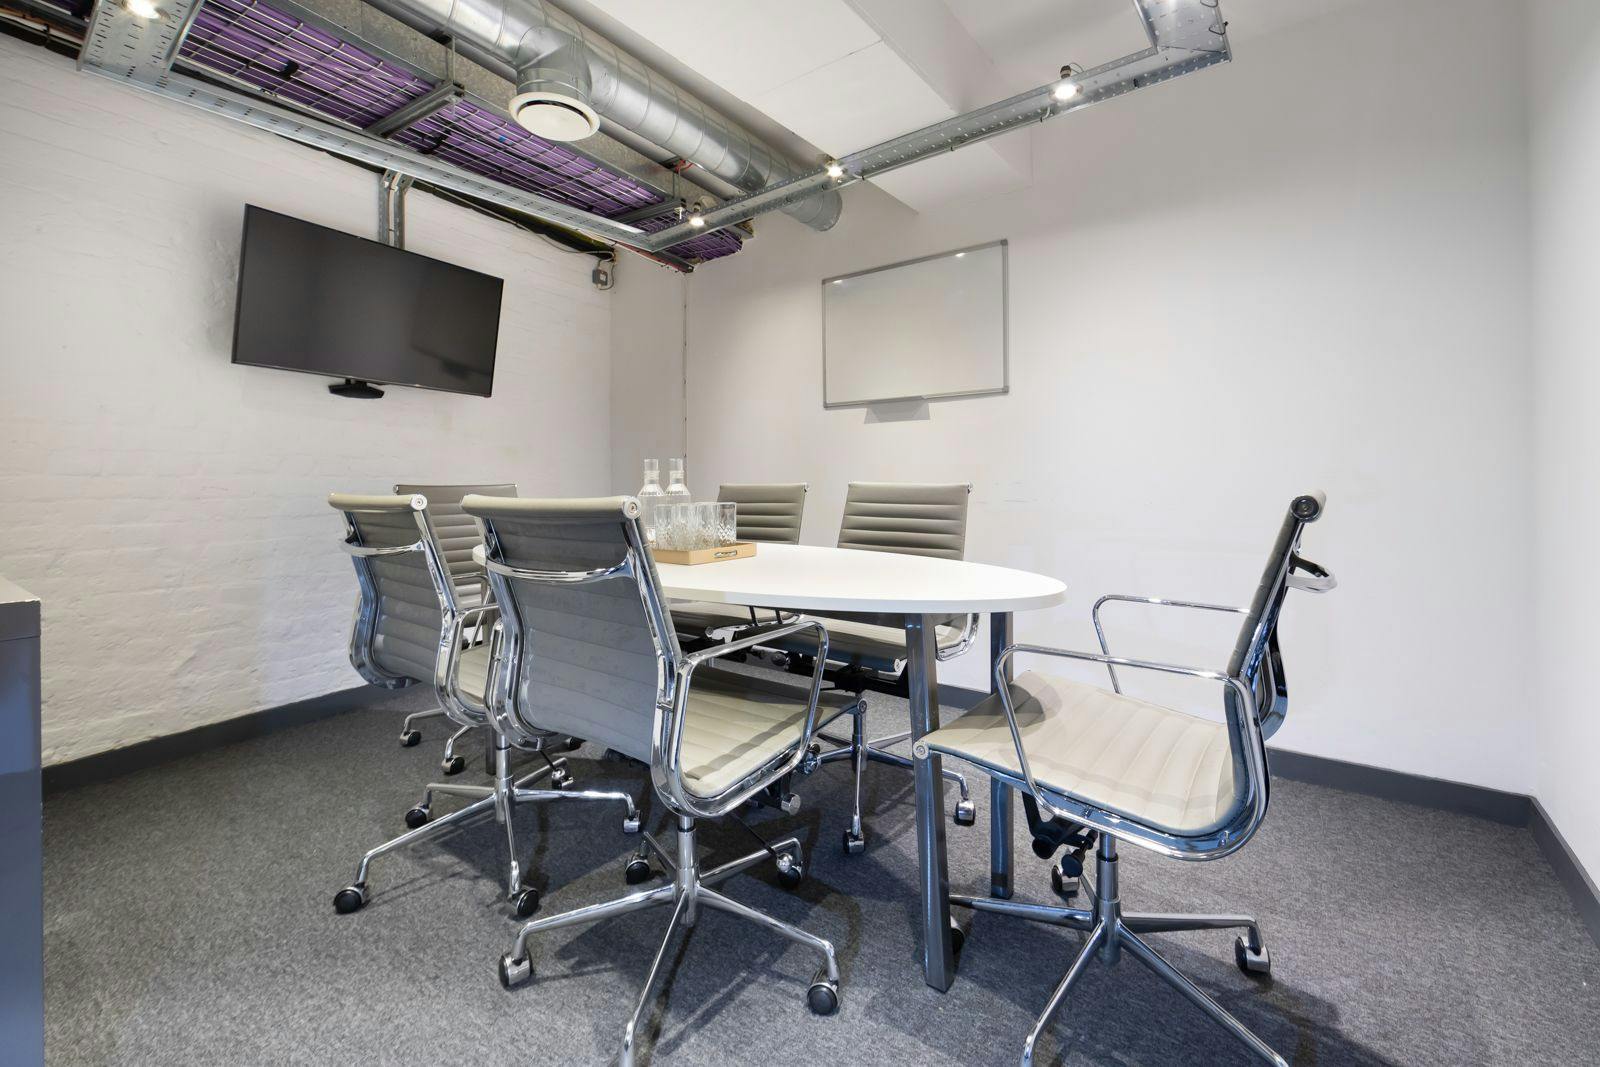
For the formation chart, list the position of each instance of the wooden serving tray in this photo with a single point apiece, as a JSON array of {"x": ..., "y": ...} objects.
[{"x": 694, "y": 556}]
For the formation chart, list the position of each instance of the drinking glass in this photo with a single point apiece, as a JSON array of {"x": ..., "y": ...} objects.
[
  {"x": 727, "y": 523},
  {"x": 705, "y": 525},
  {"x": 666, "y": 528},
  {"x": 687, "y": 522}
]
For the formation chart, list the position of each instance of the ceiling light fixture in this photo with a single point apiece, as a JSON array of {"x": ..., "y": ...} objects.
[
  {"x": 144, "y": 9},
  {"x": 696, "y": 219},
  {"x": 835, "y": 169},
  {"x": 1066, "y": 91}
]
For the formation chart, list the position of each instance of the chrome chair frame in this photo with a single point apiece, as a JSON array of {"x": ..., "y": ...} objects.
[
  {"x": 1255, "y": 678},
  {"x": 449, "y": 762},
  {"x": 499, "y": 798},
  {"x": 860, "y": 750},
  {"x": 690, "y": 887}
]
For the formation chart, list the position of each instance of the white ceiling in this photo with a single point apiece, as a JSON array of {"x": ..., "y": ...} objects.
[{"x": 828, "y": 77}]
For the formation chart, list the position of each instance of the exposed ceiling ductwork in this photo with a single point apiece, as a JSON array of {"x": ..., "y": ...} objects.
[
  {"x": 250, "y": 62},
  {"x": 570, "y": 80}
]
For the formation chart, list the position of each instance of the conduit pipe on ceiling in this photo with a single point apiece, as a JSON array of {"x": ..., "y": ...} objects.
[{"x": 569, "y": 78}]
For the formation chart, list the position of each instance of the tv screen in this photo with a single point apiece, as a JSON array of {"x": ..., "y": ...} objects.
[{"x": 325, "y": 302}]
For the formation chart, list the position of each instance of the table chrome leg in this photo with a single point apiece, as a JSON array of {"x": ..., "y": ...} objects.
[
  {"x": 1000, "y": 794},
  {"x": 938, "y": 961}
]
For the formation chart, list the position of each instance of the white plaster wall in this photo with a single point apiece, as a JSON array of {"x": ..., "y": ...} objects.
[
  {"x": 647, "y": 398},
  {"x": 1565, "y": 140},
  {"x": 1278, "y": 275},
  {"x": 168, "y": 506}
]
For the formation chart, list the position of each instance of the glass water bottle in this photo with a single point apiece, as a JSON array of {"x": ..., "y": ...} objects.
[
  {"x": 650, "y": 495},
  {"x": 677, "y": 491}
]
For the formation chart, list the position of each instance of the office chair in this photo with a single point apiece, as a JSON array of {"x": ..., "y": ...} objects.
[
  {"x": 411, "y": 627},
  {"x": 1183, "y": 786},
  {"x": 458, "y": 536},
  {"x": 589, "y": 646},
  {"x": 919, "y": 520},
  {"x": 768, "y": 513}
]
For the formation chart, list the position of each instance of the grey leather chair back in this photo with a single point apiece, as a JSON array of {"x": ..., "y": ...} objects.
[
  {"x": 767, "y": 511},
  {"x": 1256, "y": 659},
  {"x": 405, "y": 600},
  {"x": 456, "y": 530},
  {"x": 580, "y": 655},
  {"x": 917, "y": 520}
]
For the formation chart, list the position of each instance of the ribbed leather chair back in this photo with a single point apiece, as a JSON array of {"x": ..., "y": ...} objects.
[
  {"x": 767, "y": 511},
  {"x": 401, "y": 616},
  {"x": 456, "y": 530},
  {"x": 917, "y": 520},
  {"x": 582, "y": 657},
  {"x": 1256, "y": 658}
]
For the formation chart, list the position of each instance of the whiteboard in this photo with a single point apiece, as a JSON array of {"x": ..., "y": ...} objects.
[{"x": 926, "y": 328}]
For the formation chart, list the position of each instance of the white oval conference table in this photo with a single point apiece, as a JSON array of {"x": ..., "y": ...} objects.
[
  {"x": 892, "y": 589},
  {"x": 898, "y": 590}
]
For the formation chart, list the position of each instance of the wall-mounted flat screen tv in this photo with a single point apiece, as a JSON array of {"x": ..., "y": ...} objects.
[{"x": 324, "y": 302}]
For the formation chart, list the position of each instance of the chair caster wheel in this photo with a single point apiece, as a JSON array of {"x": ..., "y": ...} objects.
[
  {"x": 812, "y": 760},
  {"x": 350, "y": 899},
  {"x": 410, "y": 738},
  {"x": 637, "y": 872},
  {"x": 1251, "y": 961},
  {"x": 573, "y": 744},
  {"x": 526, "y": 903},
  {"x": 513, "y": 972},
  {"x": 823, "y": 996},
  {"x": 416, "y": 817},
  {"x": 966, "y": 813},
  {"x": 958, "y": 938},
  {"x": 790, "y": 871},
  {"x": 453, "y": 765},
  {"x": 1065, "y": 887},
  {"x": 854, "y": 844},
  {"x": 630, "y": 825}
]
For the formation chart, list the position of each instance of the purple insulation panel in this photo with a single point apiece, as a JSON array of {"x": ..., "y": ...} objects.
[
  {"x": 713, "y": 245},
  {"x": 291, "y": 60},
  {"x": 484, "y": 143},
  {"x": 294, "y": 61}
]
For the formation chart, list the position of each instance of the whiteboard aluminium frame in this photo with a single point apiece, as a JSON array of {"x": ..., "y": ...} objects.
[{"x": 1005, "y": 329}]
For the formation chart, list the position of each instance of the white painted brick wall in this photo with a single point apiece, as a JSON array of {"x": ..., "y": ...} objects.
[{"x": 168, "y": 506}]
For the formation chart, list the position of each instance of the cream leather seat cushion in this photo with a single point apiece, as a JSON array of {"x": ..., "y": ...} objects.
[
  {"x": 696, "y": 616},
  {"x": 1150, "y": 763},
  {"x": 737, "y": 722},
  {"x": 849, "y": 637},
  {"x": 473, "y": 672}
]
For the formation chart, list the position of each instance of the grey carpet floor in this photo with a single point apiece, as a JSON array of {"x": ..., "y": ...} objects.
[{"x": 189, "y": 921}]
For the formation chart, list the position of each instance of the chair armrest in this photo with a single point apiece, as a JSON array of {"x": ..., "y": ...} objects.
[
  {"x": 1247, "y": 703},
  {"x": 449, "y": 683},
  {"x": 1160, "y": 602},
  {"x": 365, "y": 551},
  {"x": 673, "y": 765},
  {"x": 969, "y": 634}
]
